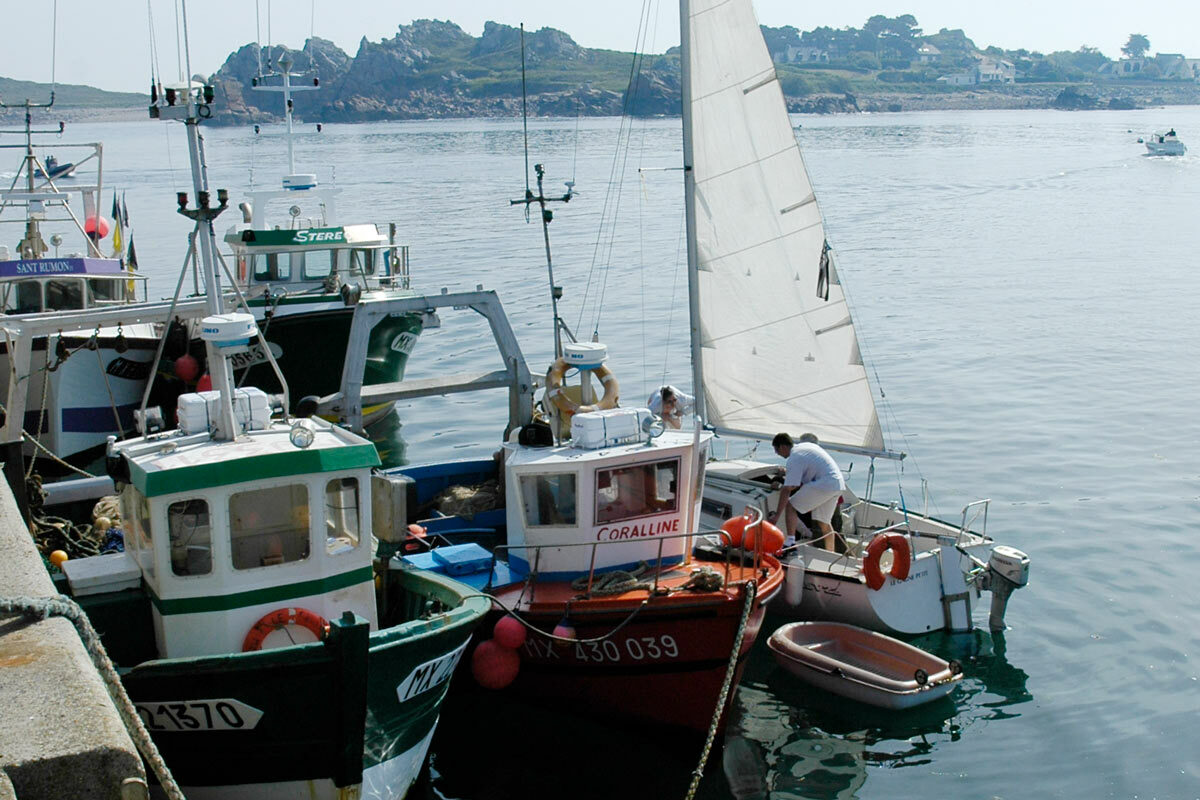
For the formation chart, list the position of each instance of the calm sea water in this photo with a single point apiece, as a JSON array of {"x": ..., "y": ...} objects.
[{"x": 1025, "y": 287}]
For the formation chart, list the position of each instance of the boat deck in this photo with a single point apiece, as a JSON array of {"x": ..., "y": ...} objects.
[{"x": 672, "y": 590}]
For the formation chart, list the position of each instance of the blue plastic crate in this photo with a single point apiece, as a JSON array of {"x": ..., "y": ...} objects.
[
  {"x": 424, "y": 561},
  {"x": 462, "y": 559}
]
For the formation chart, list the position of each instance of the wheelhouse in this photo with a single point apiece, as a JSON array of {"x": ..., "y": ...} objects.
[
  {"x": 35, "y": 286},
  {"x": 307, "y": 259}
]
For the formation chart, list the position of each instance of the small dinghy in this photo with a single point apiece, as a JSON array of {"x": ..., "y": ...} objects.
[{"x": 863, "y": 665}]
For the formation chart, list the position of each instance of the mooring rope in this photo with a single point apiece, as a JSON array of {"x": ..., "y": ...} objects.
[
  {"x": 41, "y": 608},
  {"x": 751, "y": 593}
]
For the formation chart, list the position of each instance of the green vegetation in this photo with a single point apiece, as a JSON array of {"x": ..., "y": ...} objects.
[{"x": 68, "y": 95}]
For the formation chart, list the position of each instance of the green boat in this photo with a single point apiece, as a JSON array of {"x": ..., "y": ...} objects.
[{"x": 267, "y": 648}]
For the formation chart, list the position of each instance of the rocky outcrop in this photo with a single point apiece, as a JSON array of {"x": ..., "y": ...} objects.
[{"x": 239, "y": 102}]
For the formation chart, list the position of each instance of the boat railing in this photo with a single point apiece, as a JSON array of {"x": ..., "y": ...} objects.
[
  {"x": 980, "y": 509},
  {"x": 501, "y": 552}
]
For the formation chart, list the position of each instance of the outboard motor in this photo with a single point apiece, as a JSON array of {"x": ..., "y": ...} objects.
[{"x": 1007, "y": 570}]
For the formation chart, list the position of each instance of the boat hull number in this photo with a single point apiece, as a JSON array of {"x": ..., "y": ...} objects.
[
  {"x": 430, "y": 674},
  {"x": 224, "y": 714},
  {"x": 609, "y": 651}
]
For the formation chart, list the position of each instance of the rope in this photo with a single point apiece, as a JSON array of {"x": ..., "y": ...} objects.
[
  {"x": 40, "y": 608},
  {"x": 53, "y": 457},
  {"x": 564, "y": 639},
  {"x": 618, "y": 581},
  {"x": 751, "y": 593}
]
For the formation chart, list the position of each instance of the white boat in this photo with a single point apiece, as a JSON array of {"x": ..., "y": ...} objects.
[
  {"x": 83, "y": 383},
  {"x": 1165, "y": 144},
  {"x": 863, "y": 665},
  {"x": 774, "y": 346}
]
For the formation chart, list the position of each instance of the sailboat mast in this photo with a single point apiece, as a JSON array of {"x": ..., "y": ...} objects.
[{"x": 689, "y": 204}]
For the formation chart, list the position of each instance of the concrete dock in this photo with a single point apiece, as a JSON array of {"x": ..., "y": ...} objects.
[{"x": 60, "y": 735}]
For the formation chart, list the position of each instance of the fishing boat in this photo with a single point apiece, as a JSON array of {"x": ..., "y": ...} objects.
[
  {"x": 84, "y": 383},
  {"x": 774, "y": 346},
  {"x": 581, "y": 527},
  {"x": 304, "y": 270},
  {"x": 1165, "y": 144},
  {"x": 863, "y": 665},
  {"x": 265, "y": 651}
]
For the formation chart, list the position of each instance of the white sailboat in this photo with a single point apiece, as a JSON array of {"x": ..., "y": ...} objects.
[{"x": 774, "y": 347}]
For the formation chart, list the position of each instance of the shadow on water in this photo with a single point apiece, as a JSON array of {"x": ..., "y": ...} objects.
[{"x": 806, "y": 743}]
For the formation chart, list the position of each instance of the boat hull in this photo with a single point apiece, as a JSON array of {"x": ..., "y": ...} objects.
[
  {"x": 664, "y": 667},
  {"x": 862, "y": 665},
  {"x": 309, "y": 720},
  {"x": 80, "y": 395},
  {"x": 310, "y": 347},
  {"x": 1166, "y": 148}
]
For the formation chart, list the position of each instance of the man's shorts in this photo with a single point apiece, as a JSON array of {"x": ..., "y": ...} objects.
[{"x": 813, "y": 499}]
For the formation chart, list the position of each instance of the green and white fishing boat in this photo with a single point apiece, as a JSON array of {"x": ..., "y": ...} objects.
[
  {"x": 304, "y": 270},
  {"x": 265, "y": 648}
]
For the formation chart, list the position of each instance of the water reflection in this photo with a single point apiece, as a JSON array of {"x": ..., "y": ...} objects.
[{"x": 812, "y": 744}]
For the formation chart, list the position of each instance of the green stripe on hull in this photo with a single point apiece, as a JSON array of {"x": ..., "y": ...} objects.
[
  {"x": 252, "y": 468},
  {"x": 271, "y": 594}
]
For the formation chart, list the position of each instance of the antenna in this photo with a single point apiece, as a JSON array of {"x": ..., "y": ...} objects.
[{"x": 266, "y": 83}]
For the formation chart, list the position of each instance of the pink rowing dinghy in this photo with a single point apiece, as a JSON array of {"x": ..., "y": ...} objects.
[{"x": 863, "y": 665}]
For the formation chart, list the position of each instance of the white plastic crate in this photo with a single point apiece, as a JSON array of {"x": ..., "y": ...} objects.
[
  {"x": 199, "y": 411},
  {"x": 606, "y": 428},
  {"x": 111, "y": 572}
]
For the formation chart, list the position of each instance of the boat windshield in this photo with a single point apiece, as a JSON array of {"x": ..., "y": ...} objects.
[{"x": 640, "y": 490}]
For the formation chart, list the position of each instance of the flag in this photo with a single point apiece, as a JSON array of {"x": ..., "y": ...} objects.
[
  {"x": 125, "y": 214},
  {"x": 118, "y": 246},
  {"x": 131, "y": 266}
]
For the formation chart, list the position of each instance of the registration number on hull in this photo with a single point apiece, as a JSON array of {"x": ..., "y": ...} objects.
[
  {"x": 225, "y": 714},
  {"x": 607, "y": 651}
]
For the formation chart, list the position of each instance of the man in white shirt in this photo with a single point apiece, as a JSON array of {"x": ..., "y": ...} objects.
[
  {"x": 671, "y": 404},
  {"x": 813, "y": 484}
]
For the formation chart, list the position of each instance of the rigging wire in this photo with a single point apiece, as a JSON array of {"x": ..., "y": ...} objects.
[
  {"x": 54, "y": 50},
  {"x": 525, "y": 120},
  {"x": 312, "y": 20},
  {"x": 155, "y": 69},
  {"x": 178, "y": 45},
  {"x": 258, "y": 36},
  {"x": 615, "y": 177}
]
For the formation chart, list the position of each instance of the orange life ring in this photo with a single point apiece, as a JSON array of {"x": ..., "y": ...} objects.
[
  {"x": 281, "y": 618},
  {"x": 554, "y": 389},
  {"x": 901, "y": 558}
]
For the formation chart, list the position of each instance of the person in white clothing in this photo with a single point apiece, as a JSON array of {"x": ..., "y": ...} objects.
[
  {"x": 671, "y": 404},
  {"x": 812, "y": 485}
]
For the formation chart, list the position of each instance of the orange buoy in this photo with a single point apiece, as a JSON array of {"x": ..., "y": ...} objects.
[
  {"x": 735, "y": 529},
  {"x": 493, "y": 666},
  {"x": 772, "y": 537},
  {"x": 187, "y": 368},
  {"x": 96, "y": 226},
  {"x": 58, "y": 557},
  {"x": 509, "y": 632}
]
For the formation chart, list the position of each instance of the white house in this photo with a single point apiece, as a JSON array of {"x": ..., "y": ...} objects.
[
  {"x": 959, "y": 79},
  {"x": 995, "y": 70},
  {"x": 803, "y": 55},
  {"x": 928, "y": 54}
]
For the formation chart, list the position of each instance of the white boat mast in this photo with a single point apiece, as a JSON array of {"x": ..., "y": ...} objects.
[{"x": 293, "y": 180}]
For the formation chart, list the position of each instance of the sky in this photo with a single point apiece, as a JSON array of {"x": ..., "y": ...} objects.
[{"x": 107, "y": 44}]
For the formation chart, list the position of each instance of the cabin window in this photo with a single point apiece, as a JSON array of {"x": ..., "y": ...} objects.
[
  {"x": 341, "y": 516},
  {"x": 549, "y": 499},
  {"x": 269, "y": 526},
  {"x": 106, "y": 290},
  {"x": 135, "y": 513},
  {"x": 317, "y": 265},
  {"x": 362, "y": 262},
  {"x": 29, "y": 297},
  {"x": 64, "y": 295},
  {"x": 276, "y": 266},
  {"x": 638, "y": 491},
  {"x": 191, "y": 537}
]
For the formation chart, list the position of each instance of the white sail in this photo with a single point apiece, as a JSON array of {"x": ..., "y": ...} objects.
[{"x": 776, "y": 346}]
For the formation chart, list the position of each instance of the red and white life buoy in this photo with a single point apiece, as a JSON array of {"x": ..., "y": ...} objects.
[
  {"x": 554, "y": 389},
  {"x": 281, "y": 618},
  {"x": 901, "y": 558}
]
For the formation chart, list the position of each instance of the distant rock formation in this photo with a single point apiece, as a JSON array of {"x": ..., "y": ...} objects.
[{"x": 238, "y": 102}]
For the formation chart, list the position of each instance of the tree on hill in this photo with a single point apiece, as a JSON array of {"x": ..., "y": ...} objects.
[
  {"x": 892, "y": 36},
  {"x": 1137, "y": 46}
]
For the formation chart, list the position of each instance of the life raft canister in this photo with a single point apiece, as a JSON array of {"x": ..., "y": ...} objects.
[
  {"x": 554, "y": 389},
  {"x": 901, "y": 558},
  {"x": 280, "y": 618}
]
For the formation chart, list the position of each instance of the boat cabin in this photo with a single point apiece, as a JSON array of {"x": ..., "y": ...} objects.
[
  {"x": 38, "y": 285},
  {"x": 604, "y": 508},
  {"x": 227, "y": 532},
  {"x": 305, "y": 259}
]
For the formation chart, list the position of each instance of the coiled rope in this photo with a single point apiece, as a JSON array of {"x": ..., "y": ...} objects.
[
  {"x": 618, "y": 581},
  {"x": 726, "y": 686},
  {"x": 40, "y": 608}
]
